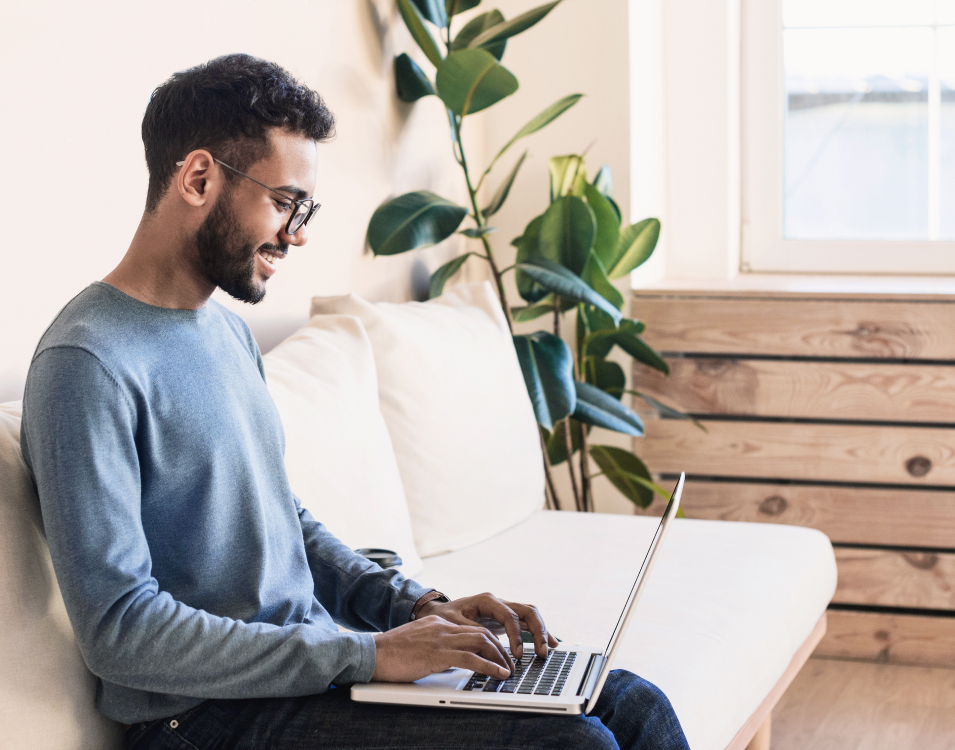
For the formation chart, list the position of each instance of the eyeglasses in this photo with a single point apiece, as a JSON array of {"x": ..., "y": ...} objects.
[{"x": 302, "y": 210}]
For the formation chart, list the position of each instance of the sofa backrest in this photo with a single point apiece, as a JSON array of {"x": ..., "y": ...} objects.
[{"x": 46, "y": 691}]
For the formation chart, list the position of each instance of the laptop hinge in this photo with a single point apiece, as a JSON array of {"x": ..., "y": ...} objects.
[{"x": 588, "y": 673}]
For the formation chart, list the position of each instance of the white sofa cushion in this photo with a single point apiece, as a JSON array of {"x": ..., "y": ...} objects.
[
  {"x": 726, "y": 608},
  {"x": 338, "y": 452},
  {"x": 462, "y": 425},
  {"x": 46, "y": 691}
]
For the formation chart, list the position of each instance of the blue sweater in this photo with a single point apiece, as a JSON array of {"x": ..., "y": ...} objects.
[{"x": 189, "y": 569}]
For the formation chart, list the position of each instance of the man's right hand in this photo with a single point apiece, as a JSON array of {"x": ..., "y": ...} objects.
[{"x": 432, "y": 644}]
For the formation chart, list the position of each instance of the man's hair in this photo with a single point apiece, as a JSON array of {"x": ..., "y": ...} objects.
[{"x": 227, "y": 106}]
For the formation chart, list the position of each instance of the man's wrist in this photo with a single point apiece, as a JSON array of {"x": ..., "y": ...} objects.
[{"x": 432, "y": 596}]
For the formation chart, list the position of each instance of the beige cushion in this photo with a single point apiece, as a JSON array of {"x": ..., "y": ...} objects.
[
  {"x": 46, "y": 691},
  {"x": 338, "y": 452},
  {"x": 462, "y": 425}
]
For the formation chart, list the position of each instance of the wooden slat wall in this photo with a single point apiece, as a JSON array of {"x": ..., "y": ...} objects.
[{"x": 834, "y": 412}]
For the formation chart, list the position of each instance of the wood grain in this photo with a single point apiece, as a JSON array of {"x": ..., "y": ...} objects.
[
  {"x": 844, "y": 453},
  {"x": 905, "y": 518},
  {"x": 893, "y": 578},
  {"x": 806, "y": 390},
  {"x": 807, "y": 327},
  {"x": 889, "y": 638}
]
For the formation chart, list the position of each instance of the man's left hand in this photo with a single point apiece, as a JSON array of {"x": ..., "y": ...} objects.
[{"x": 513, "y": 617}]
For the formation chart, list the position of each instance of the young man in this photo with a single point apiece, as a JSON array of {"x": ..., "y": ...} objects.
[{"x": 203, "y": 596}]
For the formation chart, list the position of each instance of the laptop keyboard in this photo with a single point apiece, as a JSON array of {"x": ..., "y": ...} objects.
[{"x": 532, "y": 675}]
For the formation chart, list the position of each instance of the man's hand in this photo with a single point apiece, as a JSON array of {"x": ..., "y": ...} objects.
[
  {"x": 431, "y": 644},
  {"x": 479, "y": 610}
]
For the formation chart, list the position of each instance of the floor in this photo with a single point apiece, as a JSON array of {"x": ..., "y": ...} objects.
[{"x": 843, "y": 705}]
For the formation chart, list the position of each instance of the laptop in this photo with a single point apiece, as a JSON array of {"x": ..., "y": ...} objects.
[{"x": 568, "y": 681}]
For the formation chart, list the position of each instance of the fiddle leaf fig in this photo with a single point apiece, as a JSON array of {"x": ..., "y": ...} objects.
[
  {"x": 567, "y": 232},
  {"x": 478, "y": 25},
  {"x": 608, "y": 226},
  {"x": 413, "y": 220},
  {"x": 543, "y": 119},
  {"x": 555, "y": 278},
  {"x": 500, "y": 195},
  {"x": 434, "y": 11},
  {"x": 547, "y": 365},
  {"x": 470, "y": 80},
  {"x": 440, "y": 277},
  {"x": 627, "y": 473},
  {"x": 419, "y": 32},
  {"x": 600, "y": 409},
  {"x": 515, "y": 26},
  {"x": 410, "y": 81},
  {"x": 636, "y": 245},
  {"x": 568, "y": 176}
]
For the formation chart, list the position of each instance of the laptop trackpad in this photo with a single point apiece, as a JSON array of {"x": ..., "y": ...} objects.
[{"x": 447, "y": 680}]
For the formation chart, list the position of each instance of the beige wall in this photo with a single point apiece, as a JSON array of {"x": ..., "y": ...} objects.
[{"x": 75, "y": 79}]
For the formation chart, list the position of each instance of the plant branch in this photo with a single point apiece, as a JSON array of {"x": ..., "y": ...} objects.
[
  {"x": 547, "y": 473},
  {"x": 479, "y": 218},
  {"x": 586, "y": 486}
]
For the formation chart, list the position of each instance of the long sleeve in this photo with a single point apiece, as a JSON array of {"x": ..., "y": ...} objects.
[
  {"x": 84, "y": 438},
  {"x": 356, "y": 592}
]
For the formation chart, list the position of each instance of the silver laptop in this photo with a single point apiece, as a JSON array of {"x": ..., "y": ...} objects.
[{"x": 567, "y": 681}]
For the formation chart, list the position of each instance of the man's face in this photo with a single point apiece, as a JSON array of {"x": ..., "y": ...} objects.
[{"x": 243, "y": 237}]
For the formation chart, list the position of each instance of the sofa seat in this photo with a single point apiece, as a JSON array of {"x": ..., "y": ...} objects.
[{"x": 726, "y": 609}]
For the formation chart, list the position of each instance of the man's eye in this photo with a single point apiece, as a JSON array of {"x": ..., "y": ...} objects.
[{"x": 283, "y": 206}]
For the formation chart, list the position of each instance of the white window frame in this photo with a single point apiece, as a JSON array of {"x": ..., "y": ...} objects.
[{"x": 763, "y": 248}]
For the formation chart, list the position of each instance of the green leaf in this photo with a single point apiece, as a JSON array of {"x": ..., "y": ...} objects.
[
  {"x": 555, "y": 441},
  {"x": 470, "y": 80},
  {"x": 415, "y": 23},
  {"x": 546, "y": 117},
  {"x": 555, "y": 278},
  {"x": 615, "y": 207},
  {"x": 547, "y": 364},
  {"x": 608, "y": 227},
  {"x": 513, "y": 27},
  {"x": 459, "y": 6},
  {"x": 603, "y": 181},
  {"x": 595, "y": 275},
  {"x": 410, "y": 80},
  {"x": 636, "y": 245},
  {"x": 440, "y": 277},
  {"x": 413, "y": 220},
  {"x": 500, "y": 195},
  {"x": 478, "y": 25},
  {"x": 544, "y": 307},
  {"x": 607, "y": 376},
  {"x": 477, "y": 232},
  {"x": 567, "y": 233},
  {"x": 627, "y": 473},
  {"x": 603, "y": 410},
  {"x": 667, "y": 411},
  {"x": 528, "y": 247},
  {"x": 434, "y": 11},
  {"x": 568, "y": 176},
  {"x": 637, "y": 348},
  {"x": 606, "y": 336}
]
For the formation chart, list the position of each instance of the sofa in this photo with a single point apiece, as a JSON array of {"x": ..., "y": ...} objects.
[{"x": 408, "y": 427}]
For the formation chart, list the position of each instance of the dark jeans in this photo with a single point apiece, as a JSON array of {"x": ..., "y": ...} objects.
[{"x": 631, "y": 713}]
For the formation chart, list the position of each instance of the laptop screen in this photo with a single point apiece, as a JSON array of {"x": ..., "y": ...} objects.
[{"x": 656, "y": 537}]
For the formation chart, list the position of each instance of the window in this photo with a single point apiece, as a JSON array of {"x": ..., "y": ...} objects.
[{"x": 848, "y": 136}]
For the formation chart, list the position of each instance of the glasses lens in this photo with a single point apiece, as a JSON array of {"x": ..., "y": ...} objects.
[{"x": 298, "y": 218}]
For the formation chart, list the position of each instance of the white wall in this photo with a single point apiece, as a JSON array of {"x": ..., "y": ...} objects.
[{"x": 74, "y": 81}]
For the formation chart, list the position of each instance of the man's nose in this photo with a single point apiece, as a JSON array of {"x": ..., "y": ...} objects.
[{"x": 298, "y": 239}]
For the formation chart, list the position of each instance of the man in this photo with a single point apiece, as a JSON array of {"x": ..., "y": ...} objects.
[{"x": 203, "y": 596}]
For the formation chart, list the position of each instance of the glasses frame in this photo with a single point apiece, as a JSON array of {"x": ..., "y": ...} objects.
[{"x": 310, "y": 202}]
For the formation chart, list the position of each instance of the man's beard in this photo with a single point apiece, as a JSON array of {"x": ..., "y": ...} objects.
[{"x": 227, "y": 255}]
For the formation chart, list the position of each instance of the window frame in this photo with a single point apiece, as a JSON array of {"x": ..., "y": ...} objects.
[{"x": 763, "y": 248}]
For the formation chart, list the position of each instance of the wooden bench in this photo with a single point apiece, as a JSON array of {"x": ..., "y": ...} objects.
[{"x": 830, "y": 411}]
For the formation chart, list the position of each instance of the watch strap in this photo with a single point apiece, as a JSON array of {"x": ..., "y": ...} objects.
[{"x": 431, "y": 596}]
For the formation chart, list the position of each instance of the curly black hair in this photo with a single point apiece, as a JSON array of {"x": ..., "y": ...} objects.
[{"x": 227, "y": 105}]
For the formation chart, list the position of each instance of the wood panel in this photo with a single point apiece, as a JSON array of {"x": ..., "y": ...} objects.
[
  {"x": 805, "y": 390},
  {"x": 891, "y": 578},
  {"x": 896, "y": 639},
  {"x": 905, "y": 518},
  {"x": 771, "y": 450},
  {"x": 808, "y": 327}
]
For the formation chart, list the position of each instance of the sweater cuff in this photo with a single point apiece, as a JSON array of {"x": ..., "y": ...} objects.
[{"x": 368, "y": 653}]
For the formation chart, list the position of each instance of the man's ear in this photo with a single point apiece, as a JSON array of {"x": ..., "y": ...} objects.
[{"x": 196, "y": 180}]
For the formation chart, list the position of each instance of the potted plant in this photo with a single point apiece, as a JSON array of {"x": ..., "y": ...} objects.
[{"x": 566, "y": 258}]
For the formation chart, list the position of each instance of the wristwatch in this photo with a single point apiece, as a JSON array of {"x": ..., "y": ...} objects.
[{"x": 431, "y": 596}]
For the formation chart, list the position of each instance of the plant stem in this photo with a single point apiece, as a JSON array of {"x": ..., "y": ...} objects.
[
  {"x": 479, "y": 219},
  {"x": 568, "y": 440},
  {"x": 586, "y": 485},
  {"x": 548, "y": 476}
]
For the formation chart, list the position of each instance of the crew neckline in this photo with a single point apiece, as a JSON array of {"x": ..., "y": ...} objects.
[{"x": 153, "y": 309}]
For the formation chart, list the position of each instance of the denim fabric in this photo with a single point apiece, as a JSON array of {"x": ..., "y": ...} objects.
[
  {"x": 188, "y": 568},
  {"x": 631, "y": 713}
]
